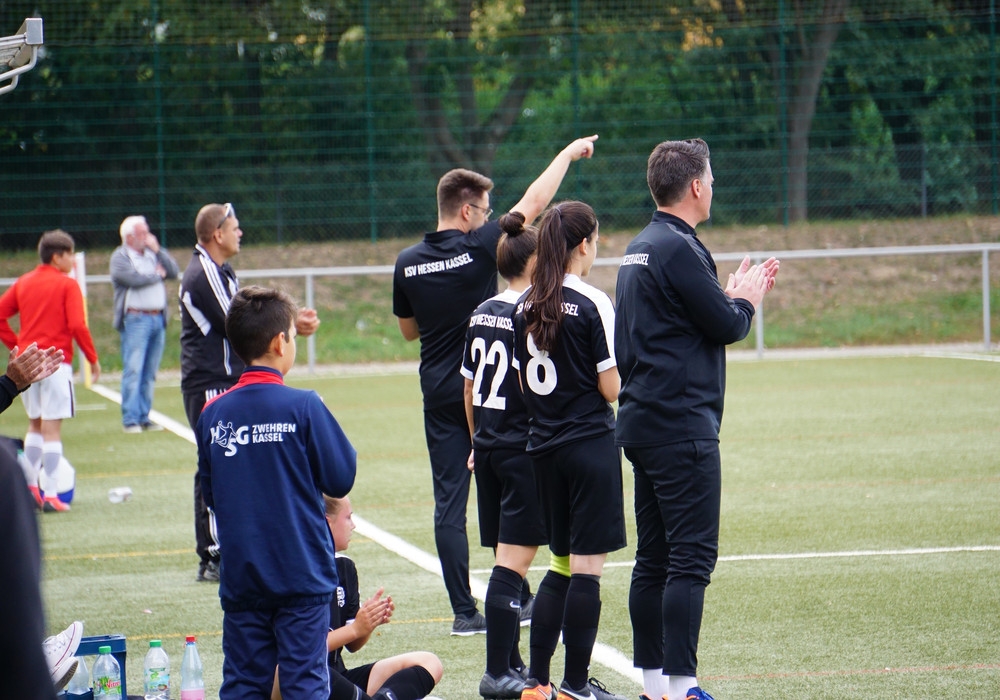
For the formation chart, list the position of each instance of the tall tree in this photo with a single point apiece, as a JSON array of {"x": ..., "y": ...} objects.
[
  {"x": 450, "y": 56},
  {"x": 800, "y": 34}
]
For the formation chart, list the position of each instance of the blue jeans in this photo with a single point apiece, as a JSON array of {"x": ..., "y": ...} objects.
[{"x": 142, "y": 348}]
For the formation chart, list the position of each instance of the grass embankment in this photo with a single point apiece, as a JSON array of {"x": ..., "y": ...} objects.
[{"x": 817, "y": 302}]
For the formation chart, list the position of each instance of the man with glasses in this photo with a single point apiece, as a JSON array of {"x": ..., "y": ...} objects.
[
  {"x": 209, "y": 367},
  {"x": 437, "y": 285}
]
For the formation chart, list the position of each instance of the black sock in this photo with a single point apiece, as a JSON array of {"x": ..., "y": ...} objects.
[
  {"x": 516, "y": 662},
  {"x": 411, "y": 683},
  {"x": 546, "y": 623},
  {"x": 502, "y": 611},
  {"x": 583, "y": 614},
  {"x": 343, "y": 689}
]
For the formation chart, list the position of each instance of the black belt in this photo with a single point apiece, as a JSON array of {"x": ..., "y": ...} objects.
[{"x": 146, "y": 312}]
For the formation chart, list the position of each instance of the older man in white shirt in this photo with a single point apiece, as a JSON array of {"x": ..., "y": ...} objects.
[{"x": 138, "y": 268}]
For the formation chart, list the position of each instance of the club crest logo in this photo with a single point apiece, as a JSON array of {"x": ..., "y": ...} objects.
[{"x": 226, "y": 436}]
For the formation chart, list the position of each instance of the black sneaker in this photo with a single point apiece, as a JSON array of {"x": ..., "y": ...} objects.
[
  {"x": 594, "y": 690},
  {"x": 208, "y": 571},
  {"x": 468, "y": 625},
  {"x": 600, "y": 691},
  {"x": 506, "y": 685},
  {"x": 527, "y": 606}
]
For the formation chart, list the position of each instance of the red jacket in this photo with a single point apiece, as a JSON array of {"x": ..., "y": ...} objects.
[{"x": 51, "y": 311}]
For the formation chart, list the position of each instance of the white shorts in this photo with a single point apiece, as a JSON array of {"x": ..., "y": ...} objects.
[{"x": 52, "y": 398}]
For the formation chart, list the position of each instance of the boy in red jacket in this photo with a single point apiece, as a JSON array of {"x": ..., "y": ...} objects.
[{"x": 50, "y": 308}]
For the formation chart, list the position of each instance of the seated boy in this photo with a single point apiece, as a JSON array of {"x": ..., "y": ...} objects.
[
  {"x": 407, "y": 676},
  {"x": 266, "y": 454}
]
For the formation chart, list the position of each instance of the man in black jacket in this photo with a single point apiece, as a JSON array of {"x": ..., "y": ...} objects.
[
  {"x": 208, "y": 365},
  {"x": 673, "y": 322}
]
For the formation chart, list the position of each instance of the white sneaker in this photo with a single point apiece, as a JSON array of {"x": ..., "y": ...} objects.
[
  {"x": 64, "y": 672},
  {"x": 62, "y": 647}
]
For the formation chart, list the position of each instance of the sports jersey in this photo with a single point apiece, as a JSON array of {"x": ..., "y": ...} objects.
[
  {"x": 560, "y": 388},
  {"x": 49, "y": 306},
  {"x": 439, "y": 282},
  {"x": 497, "y": 403},
  {"x": 207, "y": 360},
  {"x": 266, "y": 454},
  {"x": 344, "y": 606},
  {"x": 673, "y": 323}
]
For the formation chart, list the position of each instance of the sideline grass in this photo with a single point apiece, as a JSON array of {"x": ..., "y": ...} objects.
[{"x": 834, "y": 455}]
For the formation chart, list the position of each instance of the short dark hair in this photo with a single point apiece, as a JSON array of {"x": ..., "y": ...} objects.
[
  {"x": 256, "y": 315},
  {"x": 516, "y": 245},
  {"x": 207, "y": 221},
  {"x": 672, "y": 166},
  {"x": 456, "y": 187},
  {"x": 52, "y": 243}
]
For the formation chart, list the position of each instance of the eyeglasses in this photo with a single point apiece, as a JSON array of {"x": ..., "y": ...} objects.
[
  {"x": 229, "y": 212},
  {"x": 487, "y": 210}
]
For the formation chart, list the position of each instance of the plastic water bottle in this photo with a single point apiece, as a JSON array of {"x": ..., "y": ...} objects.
[
  {"x": 107, "y": 675},
  {"x": 192, "y": 681},
  {"x": 156, "y": 672},
  {"x": 79, "y": 684}
]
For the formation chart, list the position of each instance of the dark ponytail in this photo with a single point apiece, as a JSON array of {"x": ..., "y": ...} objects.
[
  {"x": 516, "y": 245},
  {"x": 562, "y": 229}
]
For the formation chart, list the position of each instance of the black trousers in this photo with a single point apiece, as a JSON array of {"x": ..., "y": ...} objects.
[
  {"x": 449, "y": 445},
  {"x": 678, "y": 491},
  {"x": 205, "y": 533}
]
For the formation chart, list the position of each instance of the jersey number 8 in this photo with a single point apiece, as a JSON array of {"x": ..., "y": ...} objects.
[{"x": 541, "y": 370}]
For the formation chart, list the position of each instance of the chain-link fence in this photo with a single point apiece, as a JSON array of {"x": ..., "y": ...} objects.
[{"x": 326, "y": 119}]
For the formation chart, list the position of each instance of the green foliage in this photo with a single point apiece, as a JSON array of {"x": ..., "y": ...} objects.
[{"x": 332, "y": 119}]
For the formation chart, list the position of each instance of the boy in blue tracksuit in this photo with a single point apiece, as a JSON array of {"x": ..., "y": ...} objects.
[{"x": 266, "y": 455}]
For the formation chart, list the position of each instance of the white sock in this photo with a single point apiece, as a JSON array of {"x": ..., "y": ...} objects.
[
  {"x": 52, "y": 452},
  {"x": 32, "y": 457},
  {"x": 680, "y": 685},
  {"x": 654, "y": 683}
]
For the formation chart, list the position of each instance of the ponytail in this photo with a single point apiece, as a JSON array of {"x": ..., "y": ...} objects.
[{"x": 562, "y": 229}]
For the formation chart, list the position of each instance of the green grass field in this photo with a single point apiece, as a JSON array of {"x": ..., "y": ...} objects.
[{"x": 860, "y": 533}]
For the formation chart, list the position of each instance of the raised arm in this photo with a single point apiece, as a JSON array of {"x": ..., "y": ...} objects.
[{"x": 544, "y": 188}]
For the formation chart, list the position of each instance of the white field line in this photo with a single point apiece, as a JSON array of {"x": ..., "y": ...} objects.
[
  {"x": 813, "y": 555},
  {"x": 603, "y": 654},
  {"x": 157, "y": 417}
]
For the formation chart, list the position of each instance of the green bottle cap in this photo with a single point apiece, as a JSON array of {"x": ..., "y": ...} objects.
[
  {"x": 155, "y": 643},
  {"x": 103, "y": 650}
]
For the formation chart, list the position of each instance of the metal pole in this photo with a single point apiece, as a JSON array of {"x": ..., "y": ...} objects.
[
  {"x": 993, "y": 108},
  {"x": 759, "y": 323},
  {"x": 370, "y": 126},
  {"x": 986, "y": 300},
  {"x": 310, "y": 304},
  {"x": 576, "y": 88},
  {"x": 161, "y": 179},
  {"x": 783, "y": 113}
]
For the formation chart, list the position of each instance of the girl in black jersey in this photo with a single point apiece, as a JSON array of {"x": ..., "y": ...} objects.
[
  {"x": 510, "y": 519},
  {"x": 564, "y": 353}
]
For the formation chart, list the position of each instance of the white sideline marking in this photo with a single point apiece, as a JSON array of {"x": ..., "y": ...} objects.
[
  {"x": 812, "y": 555},
  {"x": 154, "y": 415},
  {"x": 603, "y": 654}
]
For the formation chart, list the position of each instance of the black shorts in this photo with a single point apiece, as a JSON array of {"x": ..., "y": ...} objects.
[
  {"x": 358, "y": 676},
  {"x": 509, "y": 511},
  {"x": 580, "y": 488}
]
